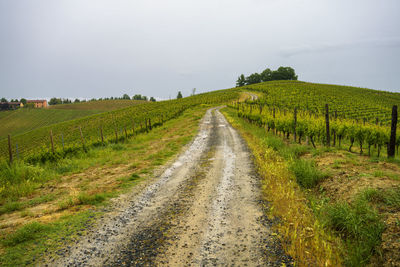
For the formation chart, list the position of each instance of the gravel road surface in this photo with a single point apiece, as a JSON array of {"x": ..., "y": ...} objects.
[{"x": 204, "y": 209}]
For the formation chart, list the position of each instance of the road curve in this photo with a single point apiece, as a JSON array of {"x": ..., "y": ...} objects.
[{"x": 205, "y": 209}]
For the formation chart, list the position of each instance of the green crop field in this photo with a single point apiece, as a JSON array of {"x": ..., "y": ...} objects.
[
  {"x": 23, "y": 120},
  {"x": 99, "y": 105},
  {"x": 111, "y": 125},
  {"x": 347, "y": 102}
]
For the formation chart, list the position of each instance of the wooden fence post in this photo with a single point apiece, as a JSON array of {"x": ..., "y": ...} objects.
[
  {"x": 83, "y": 140},
  {"x": 133, "y": 128},
  {"x": 9, "y": 148},
  {"x": 62, "y": 140},
  {"x": 102, "y": 137},
  {"x": 328, "y": 136},
  {"x": 392, "y": 142},
  {"x": 150, "y": 124},
  {"x": 334, "y": 131},
  {"x": 52, "y": 142},
  {"x": 126, "y": 133},
  {"x": 295, "y": 123}
]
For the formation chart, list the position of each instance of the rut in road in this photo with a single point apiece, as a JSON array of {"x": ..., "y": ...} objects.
[{"x": 205, "y": 209}]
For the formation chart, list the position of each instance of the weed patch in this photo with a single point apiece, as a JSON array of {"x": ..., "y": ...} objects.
[
  {"x": 306, "y": 173},
  {"x": 359, "y": 224}
]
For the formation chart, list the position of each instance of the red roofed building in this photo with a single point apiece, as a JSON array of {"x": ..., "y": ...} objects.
[{"x": 38, "y": 103}]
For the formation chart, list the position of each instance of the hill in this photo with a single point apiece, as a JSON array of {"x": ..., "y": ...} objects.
[
  {"x": 346, "y": 101},
  {"x": 19, "y": 121},
  {"x": 99, "y": 105},
  {"x": 112, "y": 125}
]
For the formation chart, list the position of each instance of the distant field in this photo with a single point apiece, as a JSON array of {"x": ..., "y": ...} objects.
[
  {"x": 24, "y": 120},
  {"x": 103, "y": 105}
]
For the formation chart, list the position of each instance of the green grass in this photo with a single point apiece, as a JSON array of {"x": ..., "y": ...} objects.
[
  {"x": 359, "y": 224},
  {"x": 306, "y": 173},
  {"x": 98, "y": 106},
  {"x": 28, "y": 243},
  {"x": 24, "y": 120},
  {"x": 38, "y": 239}
]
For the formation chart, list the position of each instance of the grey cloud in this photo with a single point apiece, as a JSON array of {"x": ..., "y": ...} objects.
[{"x": 327, "y": 47}]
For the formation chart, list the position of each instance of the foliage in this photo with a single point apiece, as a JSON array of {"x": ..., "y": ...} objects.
[
  {"x": 57, "y": 101},
  {"x": 359, "y": 224},
  {"x": 241, "y": 81},
  {"x": 115, "y": 126},
  {"x": 179, "y": 95},
  {"x": 307, "y": 175},
  {"x": 282, "y": 73}
]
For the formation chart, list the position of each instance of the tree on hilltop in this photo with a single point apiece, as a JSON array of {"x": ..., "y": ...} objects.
[
  {"x": 253, "y": 78},
  {"x": 179, "y": 95},
  {"x": 241, "y": 81},
  {"x": 282, "y": 73},
  {"x": 266, "y": 75}
]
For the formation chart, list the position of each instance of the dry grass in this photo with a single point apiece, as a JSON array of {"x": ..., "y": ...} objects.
[{"x": 302, "y": 235}]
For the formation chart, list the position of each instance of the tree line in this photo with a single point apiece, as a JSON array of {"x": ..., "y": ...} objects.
[
  {"x": 282, "y": 73},
  {"x": 56, "y": 101}
]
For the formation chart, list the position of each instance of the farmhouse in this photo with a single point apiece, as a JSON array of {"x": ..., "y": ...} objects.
[
  {"x": 10, "y": 105},
  {"x": 38, "y": 103}
]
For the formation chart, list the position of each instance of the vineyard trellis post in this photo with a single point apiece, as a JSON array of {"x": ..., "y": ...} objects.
[
  {"x": 328, "y": 137},
  {"x": 392, "y": 142},
  {"x": 295, "y": 123},
  {"x": 83, "y": 140},
  {"x": 116, "y": 135},
  {"x": 9, "y": 148},
  {"x": 334, "y": 131},
  {"x": 126, "y": 133},
  {"x": 17, "y": 151},
  {"x": 51, "y": 141},
  {"x": 102, "y": 137},
  {"x": 62, "y": 141},
  {"x": 149, "y": 124}
]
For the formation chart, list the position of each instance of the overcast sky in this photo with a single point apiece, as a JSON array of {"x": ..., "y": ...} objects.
[{"x": 99, "y": 48}]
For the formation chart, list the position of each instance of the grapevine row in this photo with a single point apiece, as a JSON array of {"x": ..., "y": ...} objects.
[{"x": 56, "y": 140}]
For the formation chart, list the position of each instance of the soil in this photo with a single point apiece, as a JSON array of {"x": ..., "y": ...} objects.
[{"x": 206, "y": 209}]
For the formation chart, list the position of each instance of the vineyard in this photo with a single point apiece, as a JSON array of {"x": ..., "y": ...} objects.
[
  {"x": 360, "y": 117},
  {"x": 346, "y": 102},
  {"x": 27, "y": 119},
  {"x": 55, "y": 140}
]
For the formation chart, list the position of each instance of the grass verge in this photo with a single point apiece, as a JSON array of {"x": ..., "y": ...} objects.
[
  {"x": 303, "y": 236},
  {"x": 41, "y": 203}
]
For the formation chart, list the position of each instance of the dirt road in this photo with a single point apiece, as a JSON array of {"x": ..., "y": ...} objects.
[{"x": 205, "y": 209}]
